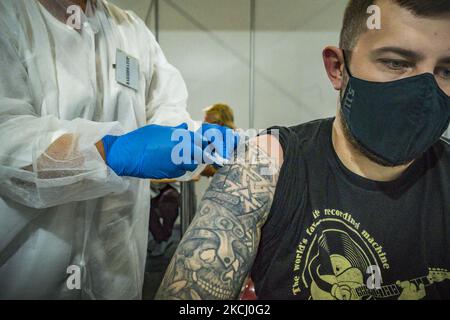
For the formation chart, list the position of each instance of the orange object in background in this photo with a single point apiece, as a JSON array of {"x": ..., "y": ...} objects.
[{"x": 249, "y": 291}]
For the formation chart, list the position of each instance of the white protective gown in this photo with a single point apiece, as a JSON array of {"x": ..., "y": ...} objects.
[{"x": 75, "y": 211}]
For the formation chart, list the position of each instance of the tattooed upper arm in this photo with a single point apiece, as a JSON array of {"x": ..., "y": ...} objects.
[{"x": 217, "y": 252}]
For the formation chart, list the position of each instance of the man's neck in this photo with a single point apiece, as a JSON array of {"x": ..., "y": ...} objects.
[{"x": 358, "y": 163}]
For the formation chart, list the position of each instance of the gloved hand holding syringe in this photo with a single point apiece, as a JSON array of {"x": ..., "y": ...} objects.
[{"x": 160, "y": 152}]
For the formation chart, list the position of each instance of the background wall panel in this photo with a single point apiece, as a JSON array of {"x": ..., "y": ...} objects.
[{"x": 209, "y": 42}]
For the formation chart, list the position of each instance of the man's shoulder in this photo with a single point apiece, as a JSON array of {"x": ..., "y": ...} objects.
[
  {"x": 303, "y": 128},
  {"x": 301, "y": 134},
  {"x": 311, "y": 126}
]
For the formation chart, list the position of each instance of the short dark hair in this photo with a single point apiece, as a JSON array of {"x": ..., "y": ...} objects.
[{"x": 356, "y": 16}]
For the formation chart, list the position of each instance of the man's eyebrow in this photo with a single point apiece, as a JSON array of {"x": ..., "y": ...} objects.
[{"x": 400, "y": 51}]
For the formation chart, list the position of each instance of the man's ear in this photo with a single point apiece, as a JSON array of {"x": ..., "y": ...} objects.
[{"x": 333, "y": 59}]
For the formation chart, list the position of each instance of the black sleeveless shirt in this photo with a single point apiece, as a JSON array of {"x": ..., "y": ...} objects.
[{"x": 332, "y": 234}]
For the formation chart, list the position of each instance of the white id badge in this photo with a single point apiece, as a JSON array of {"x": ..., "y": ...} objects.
[{"x": 127, "y": 70}]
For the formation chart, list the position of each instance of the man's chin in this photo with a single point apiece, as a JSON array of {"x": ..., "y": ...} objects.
[{"x": 368, "y": 154}]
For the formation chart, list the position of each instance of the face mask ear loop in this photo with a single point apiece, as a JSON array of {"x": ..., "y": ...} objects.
[
  {"x": 347, "y": 66},
  {"x": 348, "y": 71}
]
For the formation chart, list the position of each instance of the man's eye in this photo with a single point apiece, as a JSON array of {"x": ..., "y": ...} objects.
[
  {"x": 444, "y": 73},
  {"x": 396, "y": 64}
]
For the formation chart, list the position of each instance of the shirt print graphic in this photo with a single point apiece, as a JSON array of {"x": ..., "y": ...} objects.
[{"x": 338, "y": 259}]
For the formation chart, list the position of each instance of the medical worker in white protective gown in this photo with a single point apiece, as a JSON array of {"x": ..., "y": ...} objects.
[{"x": 64, "y": 208}]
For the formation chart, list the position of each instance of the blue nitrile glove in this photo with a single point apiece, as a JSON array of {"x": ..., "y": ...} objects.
[
  {"x": 147, "y": 152},
  {"x": 222, "y": 142}
]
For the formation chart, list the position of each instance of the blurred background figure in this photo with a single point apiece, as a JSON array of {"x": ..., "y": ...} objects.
[
  {"x": 164, "y": 210},
  {"x": 220, "y": 114}
]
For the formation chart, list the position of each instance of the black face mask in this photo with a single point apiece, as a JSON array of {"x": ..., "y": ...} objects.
[{"x": 396, "y": 121}]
